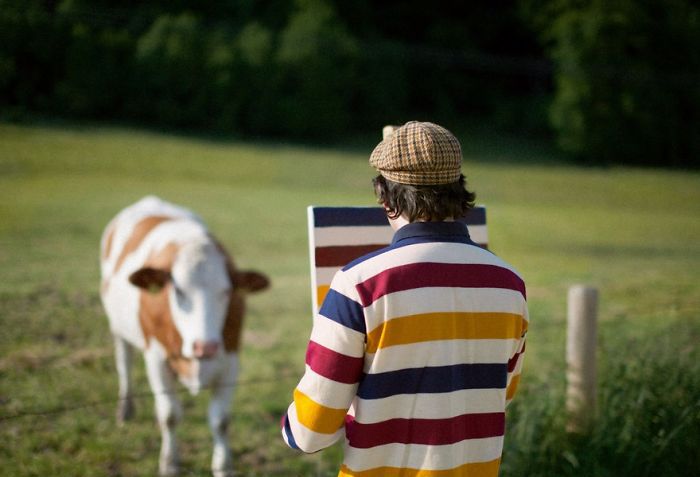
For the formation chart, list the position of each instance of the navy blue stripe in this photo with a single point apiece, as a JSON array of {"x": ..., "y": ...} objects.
[
  {"x": 438, "y": 379},
  {"x": 436, "y": 231},
  {"x": 343, "y": 310},
  {"x": 476, "y": 216},
  {"x": 349, "y": 216},
  {"x": 375, "y": 216},
  {"x": 288, "y": 432},
  {"x": 466, "y": 240}
]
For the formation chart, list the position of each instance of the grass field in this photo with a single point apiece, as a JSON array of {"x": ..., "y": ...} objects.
[{"x": 633, "y": 233}]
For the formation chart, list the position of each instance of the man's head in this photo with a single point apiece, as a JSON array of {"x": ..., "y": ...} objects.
[{"x": 420, "y": 174}]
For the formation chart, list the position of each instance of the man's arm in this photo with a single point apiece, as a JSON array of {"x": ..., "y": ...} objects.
[{"x": 334, "y": 366}]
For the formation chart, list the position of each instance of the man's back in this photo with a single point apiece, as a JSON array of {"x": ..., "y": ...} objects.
[{"x": 422, "y": 340}]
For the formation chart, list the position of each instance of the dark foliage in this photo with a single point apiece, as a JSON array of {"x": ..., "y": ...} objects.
[
  {"x": 624, "y": 87},
  {"x": 627, "y": 78}
]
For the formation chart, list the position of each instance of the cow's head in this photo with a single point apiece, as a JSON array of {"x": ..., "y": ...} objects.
[{"x": 199, "y": 285}]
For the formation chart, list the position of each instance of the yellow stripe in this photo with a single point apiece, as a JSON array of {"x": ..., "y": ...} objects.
[
  {"x": 445, "y": 326},
  {"x": 475, "y": 469},
  {"x": 512, "y": 387},
  {"x": 318, "y": 418},
  {"x": 321, "y": 292}
]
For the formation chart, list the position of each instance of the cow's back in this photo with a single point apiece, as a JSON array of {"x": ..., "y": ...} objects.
[
  {"x": 128, "y": 240},
  {"x": 130, "y": 226}
]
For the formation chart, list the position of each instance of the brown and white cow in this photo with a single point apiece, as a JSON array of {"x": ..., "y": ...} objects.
[{"x": 171, "y": 290}]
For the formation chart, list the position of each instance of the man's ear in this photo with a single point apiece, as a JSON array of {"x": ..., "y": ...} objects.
[
  {"x": 150, "y": 279},
  {"x": 250, "y": 281}
]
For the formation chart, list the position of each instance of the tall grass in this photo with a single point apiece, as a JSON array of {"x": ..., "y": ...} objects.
[
  {"x": 633, "y": 233},
  {"x": 647, "y": 421}
]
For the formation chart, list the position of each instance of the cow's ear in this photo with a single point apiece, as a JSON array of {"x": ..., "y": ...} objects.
[
  {"x": 151, "y": 279},
  {"x": 250, "y": 281}
]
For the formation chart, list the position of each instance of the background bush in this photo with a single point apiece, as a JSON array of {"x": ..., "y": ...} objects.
[
  {"x": 627, "y": 83},
  {"x": 614, "y": 82}
]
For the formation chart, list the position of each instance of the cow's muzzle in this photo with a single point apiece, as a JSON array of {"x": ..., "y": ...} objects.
[{"x": 205, "y": 349}]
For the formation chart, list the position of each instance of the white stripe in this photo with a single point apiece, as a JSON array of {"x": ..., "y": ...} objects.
[
  {"x": 443, "y": 299},
  {"x": 479, "y": 234},
  {"x": 337, "y": 395},
  {"x": 337, "y": 337},
  {"x": 417, "y": 456},
  {"x": 312, "y": 260},
  {"x": 370, "y": 235},
  {"x": 354, "y": 235},
  {"x": 342, "y": 285},
  {"x": 324, "y": 275},
  {"x": 443, "y": 353},
  {"x": 430, "y": 405}
]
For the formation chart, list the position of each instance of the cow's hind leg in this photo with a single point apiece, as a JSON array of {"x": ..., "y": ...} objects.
[
  {"x": 219, "y": 419},
  {"x": 168, "y": 407},
  {"x": 123, "y": 354}
]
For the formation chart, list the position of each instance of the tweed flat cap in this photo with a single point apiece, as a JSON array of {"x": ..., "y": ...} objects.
[{"x": 419, "y": 153}]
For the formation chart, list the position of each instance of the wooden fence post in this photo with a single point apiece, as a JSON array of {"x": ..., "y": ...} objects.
[{"x": 581, "y": 344}]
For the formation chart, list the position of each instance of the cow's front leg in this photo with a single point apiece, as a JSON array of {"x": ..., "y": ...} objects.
[
  {"x": 219, "y": 418},
  {"x": 168, "y": 408},
  {"x": 123, "y": 355}
]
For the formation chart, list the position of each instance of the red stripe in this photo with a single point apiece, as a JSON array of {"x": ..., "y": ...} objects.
[
  {"x": 429, "y": 274},
  {"x": 425, "y": 431},
  {"x": 341, "y": 255},
  {"x": 514, "y": 360},
  {"x": 332, "y": 365}
]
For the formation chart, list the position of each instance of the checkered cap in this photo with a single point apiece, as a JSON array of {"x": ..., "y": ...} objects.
[{"x": 419, "y": 153}]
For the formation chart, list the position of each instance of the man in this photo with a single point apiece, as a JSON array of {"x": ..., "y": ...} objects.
[{"x": 417, "y": 348}]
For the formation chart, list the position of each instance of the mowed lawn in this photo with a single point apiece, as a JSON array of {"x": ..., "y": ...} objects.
[{"x": 633, "y": 233}]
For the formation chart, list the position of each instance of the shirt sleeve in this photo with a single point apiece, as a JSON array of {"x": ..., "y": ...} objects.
[
  {"x": 334, "y": 366},
  {"x": 515, "y": 364}
]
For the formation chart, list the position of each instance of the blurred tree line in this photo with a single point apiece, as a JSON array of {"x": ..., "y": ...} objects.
[{"x": 613, "y": 80}]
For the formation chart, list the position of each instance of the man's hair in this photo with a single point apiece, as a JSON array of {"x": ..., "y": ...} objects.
[{"x": 424, "y": 202}]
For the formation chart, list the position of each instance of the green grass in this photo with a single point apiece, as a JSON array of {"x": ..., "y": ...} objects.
[{"x": 633, "y": 233}]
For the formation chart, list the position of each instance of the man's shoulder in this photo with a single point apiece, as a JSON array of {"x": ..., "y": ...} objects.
[{"x": 436, "y": 251}]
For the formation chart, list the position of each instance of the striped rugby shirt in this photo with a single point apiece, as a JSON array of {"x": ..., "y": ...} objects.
[{"x": 413, "y": 357}]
